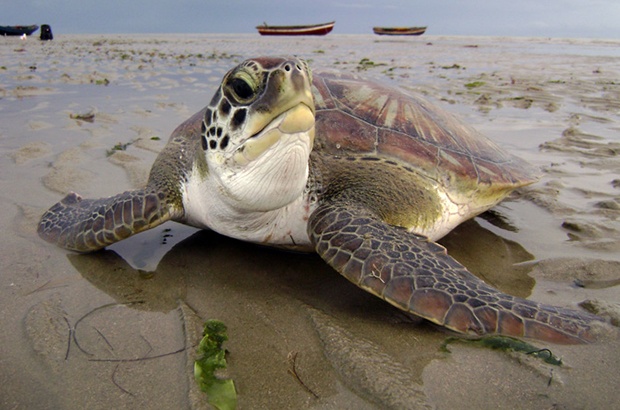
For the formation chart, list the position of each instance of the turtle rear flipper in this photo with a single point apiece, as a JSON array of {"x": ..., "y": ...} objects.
[
  {"x": 418, "y": 276},
  {"x": 86, "y": 225}
]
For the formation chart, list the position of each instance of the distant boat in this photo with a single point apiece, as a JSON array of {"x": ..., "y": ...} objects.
[
  {"x": 399, "y": 31},
  {"x": 17, "y": 30},
  {"x": 309, "y": 30}
]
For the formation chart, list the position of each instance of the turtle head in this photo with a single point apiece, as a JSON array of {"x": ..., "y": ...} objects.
[{"x": 258, "y": 132}]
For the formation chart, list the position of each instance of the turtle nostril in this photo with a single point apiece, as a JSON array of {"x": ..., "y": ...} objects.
[{"x": 287, "y": 67}]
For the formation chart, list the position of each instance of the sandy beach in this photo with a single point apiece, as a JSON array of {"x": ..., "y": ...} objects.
[{"x": 117, "y": 329}]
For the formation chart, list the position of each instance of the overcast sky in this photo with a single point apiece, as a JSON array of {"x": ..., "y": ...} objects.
[{"x": 541, "y": 18}]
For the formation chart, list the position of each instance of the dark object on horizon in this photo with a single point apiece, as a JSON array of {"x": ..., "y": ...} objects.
[
  {"x": 18, "y": 30},
  {"x": 399, "y": 31},
  {"x": 309, "y": 30},
  {"x": 46, "y": 32}
]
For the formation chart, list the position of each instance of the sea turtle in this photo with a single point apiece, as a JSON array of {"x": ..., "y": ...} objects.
[{"x": 364, "y": 174}]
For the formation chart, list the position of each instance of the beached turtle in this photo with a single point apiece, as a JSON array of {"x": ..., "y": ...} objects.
[{"x": 386, "y": 175}]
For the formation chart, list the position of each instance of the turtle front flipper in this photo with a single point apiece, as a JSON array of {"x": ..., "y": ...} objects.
[
  {"x": 86, "y": 225},
  {"x": 419, "y": 276}
]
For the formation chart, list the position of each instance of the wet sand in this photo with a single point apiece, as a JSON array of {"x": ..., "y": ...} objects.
[{"x": 116, "y": 329}]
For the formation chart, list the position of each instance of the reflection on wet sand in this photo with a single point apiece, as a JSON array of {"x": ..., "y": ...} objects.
[{"x": 265, "y": 296}]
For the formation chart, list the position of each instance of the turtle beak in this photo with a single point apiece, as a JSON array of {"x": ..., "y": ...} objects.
[{"x": 298, "y": 120}]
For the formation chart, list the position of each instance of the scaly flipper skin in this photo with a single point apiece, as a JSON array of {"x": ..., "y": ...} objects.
[
  {"x": 419, "y": 276},
  {"x": 86, "y": 225}
]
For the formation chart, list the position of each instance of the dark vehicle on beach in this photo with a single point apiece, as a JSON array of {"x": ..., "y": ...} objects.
[{"x": 46, "y": 32}]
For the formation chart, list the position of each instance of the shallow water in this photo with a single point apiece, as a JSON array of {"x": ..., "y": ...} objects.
[{"x": 115, "y": 329}]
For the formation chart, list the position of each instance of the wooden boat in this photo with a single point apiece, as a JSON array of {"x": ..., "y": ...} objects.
[
  {"x": 17, "y": 30},
  {"x": 310, "y": 30},
  {"x": 399, "y": 31}
]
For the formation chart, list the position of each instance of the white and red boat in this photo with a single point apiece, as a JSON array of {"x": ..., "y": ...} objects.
[{"x": 309, "y": 30}]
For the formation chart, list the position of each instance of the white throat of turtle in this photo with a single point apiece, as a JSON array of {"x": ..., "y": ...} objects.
[{"x": 270, "y": 169}]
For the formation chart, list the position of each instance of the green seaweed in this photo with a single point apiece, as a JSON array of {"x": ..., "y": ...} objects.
[
  {"x": 453, "y": 66},
  {"x": 87, "y": 116},
  {"x": 221, "y": 393},
  {"x": 118, "y": 147},
  {"x": 366, "y": 63},
  {"x": 509, "y": 344},
  {"x": 475, "y": 84}
]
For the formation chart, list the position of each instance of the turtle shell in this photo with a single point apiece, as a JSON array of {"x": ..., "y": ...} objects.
[{"x": 356, "y": 116}]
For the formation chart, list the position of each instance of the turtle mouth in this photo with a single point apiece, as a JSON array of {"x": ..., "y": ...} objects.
[{"x": 298, "y": 120}]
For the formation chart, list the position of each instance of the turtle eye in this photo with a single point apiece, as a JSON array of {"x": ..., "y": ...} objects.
[{"x": 242, "y": 87}]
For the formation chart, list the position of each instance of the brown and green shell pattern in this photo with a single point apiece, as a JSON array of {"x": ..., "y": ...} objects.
[{"x": 356, "y": 116}]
